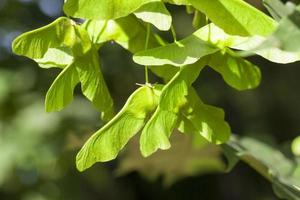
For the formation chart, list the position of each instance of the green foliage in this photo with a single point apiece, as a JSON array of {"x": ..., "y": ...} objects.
[
  {"x": 106, "y": 143},
  {"x": 60, "y": 93},
  {"x": 164, "y": 120},
  {"x": 237, "y": 72},
  {"x": 288, "y": 32},
  {"x": 92, "y": 83},
  {"x": 250, "y": 45},
  {"x": 157, "y": 110},
  {"x": 102, "y": 9},
  {"x": 284, "y": 175},
  {"x": 259, "y": 45},
  {"x": 296, "y": 146},
  {"x": 155, "y": 13},
  {"x": 206, "y": 120},
  {"x": 35, "y": 44},
  {"x": 178, "y": 2},
  {"x": 72, "y": 50},
  {"x": 236, "y": 17},
  {"x": 276, "y": 9},
  {"x": 179, "y": 53},
  {"x": 56, "y": 57},
  {"x": 128, "y": 32}
]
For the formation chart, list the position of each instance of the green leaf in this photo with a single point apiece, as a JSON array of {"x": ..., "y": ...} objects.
[
  {"x": 236, "y": 17},
  {"x": 285, "y": 190},
  {"x": 276, "y": 8},
  {"x": 206, "y": 120},
  {"x": 255, "y": 44},
  {"x": 184, "y": 52},
  {"x": 296, "y": 146},
  {"x": 83, "y": 65},
  {"x": 56, "y": 57},
  {"x": 102, "y": 9},
  {"x": 60, "y": 93},
  {"x": 95, "y": 28},
  {"x": 261, "y": 46},
  {"x": 155, "y": 13},
  {"x": 217, "y": 36},
  {"x": 34, "y": 44},
  {"x": 131, "y": 35},
  {"x": 93, "y": 84},
  {"x": 83, "y": 44},
  {"x": 157, "y": 131},
  {"x": 84, "y": 69},
  {"x": 186, "y": 126},
  {"x": 159, "y": 128},
  {"x": 237, "y": 72},
  {"x": 256, "y": 154},
  {"x": 284, "y": 42},
  {"x": 106, "y": 143},
  {"x": 287, "y": 35},
  {"x": 166, "y": 72},
  {"x": 127, "y": 32},
  {"x": 178, "y": 2}
]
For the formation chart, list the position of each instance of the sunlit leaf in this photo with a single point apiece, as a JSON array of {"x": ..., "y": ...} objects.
[
  {"x": 158, "y": 129},
  {"x": 166, "y": 72},
  {"x": 85, "y": 69},
  {"x": 276, "y": 8},
  {"x": 184, "y": 52},
  {"x": 256, "y": 45},
  {"x": 237, "y": 72},
  {"x": 178, "y": 2},
  {"x": 206, "y": 120},
  {"x": 155, "y": 13},
  {"x": 127, "y": 31},
  {"x": 131, "y": 35},
  {"x": 287, "y": 35},
  {"x": 93, "y": 84},
  {"x": 35, "y": 44},
  {"x": 217, "y": 36},
  {"x": 106, "y": 143},
  {"x": 256, "y": 154},
  {"x": 296, "y": 146},
  {"x": 250, "y": 45},
  {"x": 60, "y": 93},
  {"x": 56, "y": 57},
  {"x": 102, "y": 9},
  {"x": 286, "y": 190},
  {"x": 186, "y": 126},
  {"x": 83, "y": 44},
  {"x": 236, "y": 17}
]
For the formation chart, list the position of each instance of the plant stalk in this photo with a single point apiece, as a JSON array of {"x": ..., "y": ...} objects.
[{"x": 146, "y": 47}]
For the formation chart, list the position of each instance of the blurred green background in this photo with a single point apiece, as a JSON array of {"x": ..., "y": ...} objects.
[{"x": 37, "y": 150}]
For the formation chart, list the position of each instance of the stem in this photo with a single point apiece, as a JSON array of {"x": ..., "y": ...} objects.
[
  {"x": 206, "y": 20},
  {"x": 146, "y": 75},
  {"x": 146, "y": 47},
  {"x": 173, "y": 33},
  {"x": 209, "y": 28},
  {"x": 197, "y": 20}
]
